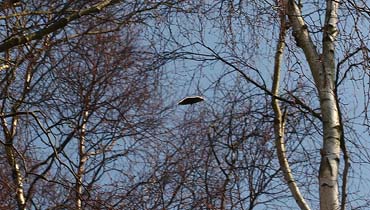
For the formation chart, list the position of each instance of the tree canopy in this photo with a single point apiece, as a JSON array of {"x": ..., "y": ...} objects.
[{"x": 90, "y": 94}]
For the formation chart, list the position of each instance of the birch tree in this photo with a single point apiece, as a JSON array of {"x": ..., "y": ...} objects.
[
  {"x": 67, "y": 76},
  {"x": 322, "y": 66},
  {"x": 88, "y": 121},
  {"x": 317, "y": 45}
]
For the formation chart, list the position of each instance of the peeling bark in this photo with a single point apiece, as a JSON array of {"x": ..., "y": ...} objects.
[{"x": 323, "y": 71}]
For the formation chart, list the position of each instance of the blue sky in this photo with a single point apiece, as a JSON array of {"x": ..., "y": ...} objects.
[{"x": 255, "y": 40}]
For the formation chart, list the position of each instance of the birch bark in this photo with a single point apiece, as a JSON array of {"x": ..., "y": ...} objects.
[
  {"x": 81, "y": 166},
  {"x": 323, "y": 71},
  {"x": 279, "y": 121}
]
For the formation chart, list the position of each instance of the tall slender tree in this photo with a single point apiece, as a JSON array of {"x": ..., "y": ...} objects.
[
  {"x": 89, "y": 122},
  {"x": 326, "y": 51}
]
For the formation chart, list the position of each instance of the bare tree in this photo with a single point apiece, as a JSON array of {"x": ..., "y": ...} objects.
[
  {"x": 325, "y": 37},
  {"x": 89, "y": 115},
  {"x": 78, "y": 97}
]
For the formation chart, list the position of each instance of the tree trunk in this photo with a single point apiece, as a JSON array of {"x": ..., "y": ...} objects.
[
  {"x": 12, "y": 160},
  {"x": 83, "y": 158},
  {"x": 279, "y": 122},
  {"x": 323, "y": 71},
  {"x": 328, "y": 176}
]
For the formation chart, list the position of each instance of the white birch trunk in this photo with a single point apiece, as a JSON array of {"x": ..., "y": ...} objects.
[
  {"x": 328, "y": 177},
  {"x": 12, "y": 160},
  {"x": 81, "y": 166},
  {"x": 279, "y": 121},
  {"x": 323, "y": 71}
]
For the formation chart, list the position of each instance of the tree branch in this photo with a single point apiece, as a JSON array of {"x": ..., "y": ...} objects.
[
  {"x": 303, "y": 40},
  {"x": 279, "y": 121},
  {"x": 22, "y": 39}
]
